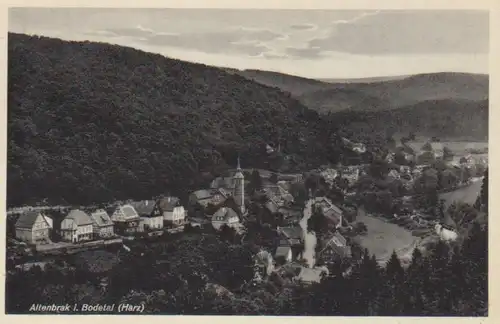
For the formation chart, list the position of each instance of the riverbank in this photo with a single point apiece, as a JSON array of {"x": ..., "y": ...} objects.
[{"x": 467, "y": 194}]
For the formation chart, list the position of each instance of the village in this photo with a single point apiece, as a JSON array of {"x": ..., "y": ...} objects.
[{"x": 247, "y": 196}]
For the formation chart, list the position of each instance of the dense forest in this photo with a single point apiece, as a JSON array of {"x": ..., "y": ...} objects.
[{"x": 91, "y": 122}]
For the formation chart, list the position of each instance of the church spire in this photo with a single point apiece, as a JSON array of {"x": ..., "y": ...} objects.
[{"x": 238, "y": 167}]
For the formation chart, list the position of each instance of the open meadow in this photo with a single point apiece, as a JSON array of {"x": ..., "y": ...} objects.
[{"x": 383, "y": 238}]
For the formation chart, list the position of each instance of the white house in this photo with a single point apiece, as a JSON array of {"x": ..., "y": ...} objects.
[
  {"x": 445, "y": 234},
  {"x": 173, "y": 213},
  {"x": 77, "y": 226},
  {"x": 284, "y": 254},
  {"x": 102, "y": 224},
  {"x": 225, "y": 216},
  {"x": 33, "y": 227}
]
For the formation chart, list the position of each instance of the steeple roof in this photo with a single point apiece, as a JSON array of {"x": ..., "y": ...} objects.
[{"x": 239, "y": 174}]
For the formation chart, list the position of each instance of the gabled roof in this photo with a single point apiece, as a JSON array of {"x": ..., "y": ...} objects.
[
  {"x": 282, "y": 251},
  {"x": 338, "y": 239},
  {"x": 79, "y": 217},
  {"x": 310, "y": 275},
  {"x": 128, "y": 211},
  {"x": 101, "y": 218},
  {"x": 27, "y": 219},
  {"x": 272, "y": 206},
  {"x": 48, "y": 220},
  {"x": 226, "y": 213},
  {"x": 144, "y": 207},
  {"x": 168, "y": 204},
  {"x": 203, "y": 194},
  {"x": 326, "y": 203},
  {"x": 291, "y": 232},
  {"x": 223, "y": 182}
]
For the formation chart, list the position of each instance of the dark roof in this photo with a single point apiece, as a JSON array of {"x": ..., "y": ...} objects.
[
  {"x": 203, "y": 194},
  {"x": 168, "y": 204},
  {"x": 79, "y": 217},
  {"x": 223, "y": 182},
  {"x": 291, "y": 232},
  {"x": 101, "y": 218},
  {"x": 144, "y": 208},
  {"x": 271, "y": 206},
  {"x": 27, "y": 219}
]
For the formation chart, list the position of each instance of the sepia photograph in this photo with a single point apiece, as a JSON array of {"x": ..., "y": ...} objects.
[{"x": 189, "y": 161}]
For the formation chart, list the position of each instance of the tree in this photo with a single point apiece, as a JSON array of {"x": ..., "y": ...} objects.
[
  {"x": 447, "y": 154},
  {"x": 482, "y": 200},
  {"x": 427, "y": 147},
  {"x": 255, "y": 181},
  {"x": 318, "y": 222},
  {"x": 391, "y": 143},
  {"x": 273, "y": 178},
  {"x": 379, "y": 169}
]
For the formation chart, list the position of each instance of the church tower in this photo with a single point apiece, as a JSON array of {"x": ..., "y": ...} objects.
[{"x": 239, "y": 188}]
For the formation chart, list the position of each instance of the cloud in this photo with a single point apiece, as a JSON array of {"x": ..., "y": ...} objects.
[
  {"x": 304, "y": 27},
  {"x": 249, "y": 41},
  {"x": 405, "y": 32}
]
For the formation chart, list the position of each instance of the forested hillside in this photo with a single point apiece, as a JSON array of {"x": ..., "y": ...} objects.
[
  {"x": 376, "y": 95},
  {"x": 453, "y": 119},
  {"x": 91, "y": 122}
]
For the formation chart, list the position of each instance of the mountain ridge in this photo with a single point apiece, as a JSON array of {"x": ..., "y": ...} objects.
[{"x": 395, "y": 93}]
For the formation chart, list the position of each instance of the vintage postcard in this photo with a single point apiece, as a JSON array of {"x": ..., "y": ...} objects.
[{"x": 232, "y": 161}]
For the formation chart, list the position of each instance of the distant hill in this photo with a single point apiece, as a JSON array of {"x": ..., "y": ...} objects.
[
  {"x": 295, "y": 85},
  {"x": 90, "y": 122},
  {"x": 376, "y": 93}
]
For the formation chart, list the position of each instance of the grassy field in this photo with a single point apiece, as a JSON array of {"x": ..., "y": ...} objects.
[{"x": 383, "y": 238}]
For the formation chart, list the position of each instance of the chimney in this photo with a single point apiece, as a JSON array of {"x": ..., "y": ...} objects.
[{"x": 147, "y": 202}]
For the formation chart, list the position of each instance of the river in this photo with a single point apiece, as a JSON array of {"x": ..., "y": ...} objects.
[
  {"x": 309, "y": 237},
  {"x": 467, "y": 194}
]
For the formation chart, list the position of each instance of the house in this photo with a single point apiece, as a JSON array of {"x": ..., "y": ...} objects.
[
  {"x": 277, "y": 198},
  {"x": 225, "y": 216},
  {"x": 223, "y": 182},
  {"x": 174, "y": 215},
  {"x": 204, "y": 197},
  {"x": 293, "y": 178},
  {"x": 290, "y": 236},
  {"x": 126, "y": 220},
  {"x": 101, "y": 223},
  {"x": 389, "y": 158},
  {"x": 467, "y": 160},
  {"x": 291, "y": 216},
  {"x": 332, "y": 212},
  {"x": 283, "y": 254},
  {"x": 77, "y": 226},
  {"x": 393, "y": 175},
  {"x": 335, "y": 248},
  {"x": 310, "y": 275},
  {"x": 33, "y": 227},
  {"x": 351, "y": 175},
  {"x": 150, "y": 213},
  {"x": 329, "y": 175}
]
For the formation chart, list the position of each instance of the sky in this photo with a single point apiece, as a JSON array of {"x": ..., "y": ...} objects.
[{"x": 309, "y": 43}]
